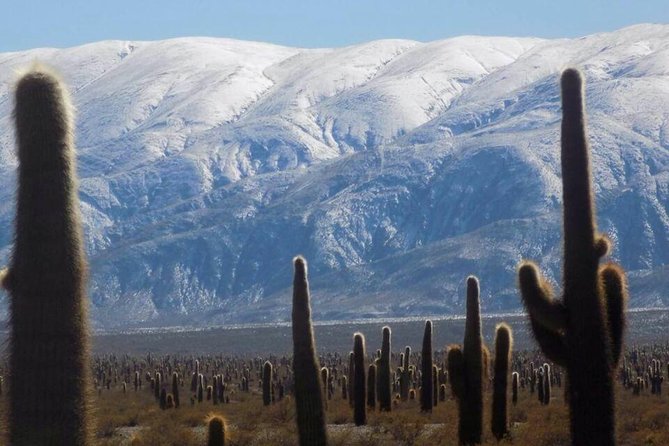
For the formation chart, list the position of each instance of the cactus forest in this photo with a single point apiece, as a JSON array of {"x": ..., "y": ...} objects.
[{"x": 576, "y": 384}]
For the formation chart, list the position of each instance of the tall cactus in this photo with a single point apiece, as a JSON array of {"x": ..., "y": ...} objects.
[
  {"x": 383, "y": 374},
  {"x": 308, "y": 395},
  {"x": 175, "y": 389},
  {"x": 465, "y": 370},
  {"x": 405, "y": 375},
  {"x": 500, "y": 416},
  {"x": 267, "y": 372},
  {"x": 583, "y": 332},
  {"x": 427, "y": 379},
  {"x": 359, "y": 381},
  {"x": 350, "y": 380},
  {"x": 46, "y": 280}
]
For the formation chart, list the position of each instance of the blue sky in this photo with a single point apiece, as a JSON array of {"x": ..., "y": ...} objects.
[{"x": 61, "y": 23}]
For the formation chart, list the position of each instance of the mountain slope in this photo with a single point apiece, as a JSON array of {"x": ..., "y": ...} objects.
[{"x": 396, "y": 167}]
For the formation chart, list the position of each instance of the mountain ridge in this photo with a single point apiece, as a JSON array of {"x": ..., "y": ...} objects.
[{"x": 396, "y": 167}]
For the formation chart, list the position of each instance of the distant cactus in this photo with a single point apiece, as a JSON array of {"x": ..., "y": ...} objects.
[
  {"x": 383, "y": 374},
  {"x": 359, "y": 384},
  {"x": 371, "y": 387},
  {"x": 216, "y": 431},
  {"x": 46, "y": 280},
  {"x": 584, "y": 331},
  {"x": 350, "y": 380},
  {"x": 435, "y": 385},
  {"x": 157, "y": 385},
  {"x": 267, "y": 383},
  {"x": 175, "y": 389},
  {"x": 547, "y": 384},
  {"x": 405, "y": 375},
  {"x": 427, "y": 378},
  {"x": 200, "y": 388},
  {"x": 500, "y": 416},
  {"x": 515, "y": 380},
  {"x": 308, "y": 395},
  {"x": 465, "y": 371},
  {"x": 163, "y": 398},
  {"x": 325, "y": 379}
]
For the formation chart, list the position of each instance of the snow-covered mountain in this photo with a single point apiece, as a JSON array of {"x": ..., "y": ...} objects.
[{"x": 396, "y": 167}]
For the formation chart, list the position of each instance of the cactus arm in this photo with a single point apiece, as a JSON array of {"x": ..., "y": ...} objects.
[
  {"x": 538, "y": 299},
  {"x": 6, "y": 279},
  {"x": 615, "y": 292},
  {"x": 456, "y": 372},
  {"x": 551, "y": 343}
]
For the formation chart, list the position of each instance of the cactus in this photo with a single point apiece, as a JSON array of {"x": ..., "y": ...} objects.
[
  {"x": 584, "y": 331},
  {"x": 216, "y": 431},
  {"x": 371, "y": 387},
  {"x": 547, "y": 384},
  {"x": 308, "y": 395},
  {"x": 405, "y": 375},
  {"x": 200, "y": 388},
  {"x": 46, "y": 279},
  {"x": 175, "y": 389},
  {"x": 359, "y": 381},
  {"x": 163, "y": 398},
  {"x": 325, "y": 375},
  {"x": 348, "y": 388},
  {"x": 383, "y": 381},
  {"x": 500, "y": 416},
  {"x": 515, "y": 381},
  {"x": 267, "y": 383},
  {"x": 157, "y": 386},
  {"x": 465, "y": 369},
  {"x": 427, "y": 378}
]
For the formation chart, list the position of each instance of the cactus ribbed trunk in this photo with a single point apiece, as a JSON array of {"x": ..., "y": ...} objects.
[
  {"x": 49, "y": 340},
  {"x": 359, "y": 381},
  {"x": 427, "y": 380},
  {"x": 308, "y": 395}
]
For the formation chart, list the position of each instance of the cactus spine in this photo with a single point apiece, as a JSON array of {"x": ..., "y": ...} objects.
[
  {"x": 267, "y": 383},
  {"x": 308, "y": 395},
  {"x": 49, "y": 340},
  {"x": 500, "y": 416},
  {"x": 359, "y": 381},
  {"x": 465, "y": 370},
  {"x": 384, "y": 392},
  {"x": 584, "y": 331},
  {"x": 427, "y": 378},
  {"x": 216, "y": 431}
]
